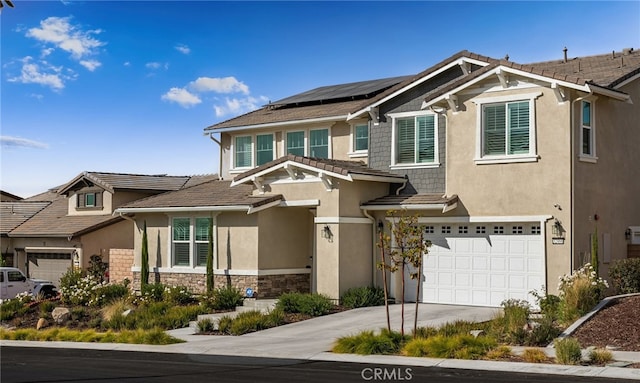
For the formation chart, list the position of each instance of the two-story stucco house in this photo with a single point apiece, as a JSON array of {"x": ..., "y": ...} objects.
[
  {"x": 510, "y": 167},
  {"x": 48, "y": 233}
]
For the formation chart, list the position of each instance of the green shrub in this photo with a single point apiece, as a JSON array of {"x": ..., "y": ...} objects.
[
  {"x": 156, "y": 315},
  {"x": 549, "y": 304},
  {"x": 625, "y": 276},
  {"x": 113, "y": 291},
  {"x": 70, "y": 279},
  {"x": 568, "y": 351},
  {"x": 309, "y": 304},
  {"x": 223, "y": 298},
  {"x": 457, "y": 346},
  {"x": 12, "y": 308},
  {"x": 46, "y": 307},
  {"x": 363, "y": 297},
  {"x": 579, "y": 293},
  {"x": 224, "y": 324},
  {"x": 153, "y": 336},
  {"x": 459, "y": 327},
  {"x": 544, "y": 333},
  {"x": 152, "y": 292},
  {"x": 274, "y": 318},
  {"x": 369, "y": 343},
  {"x": 516, "y": 314},
  {"x": 534, "y": 355},
  {"x": 178, "y": 295},
  {"x": 205, "y": 325},
  {"x": 248, "y": 321},
  {"x": 425, "y": 332}
]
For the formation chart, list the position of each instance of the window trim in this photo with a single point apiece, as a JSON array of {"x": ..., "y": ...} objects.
[
  {"x": 307, "y": 144},
  {"x": 254, "y": 150},
  {"x": 353, "y": 152},
  {"x": 588, "y": 157},
  {"x": 193, "y": 262},
  {"x": 436, "y": 142},
  {"x": 532, "y": 156}
]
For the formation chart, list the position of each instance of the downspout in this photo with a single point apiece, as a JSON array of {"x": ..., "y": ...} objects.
[
  {"x": 404, "y": 184},
  {"x": 220, "y": 152},
  {"x": 373, "y": 243}
]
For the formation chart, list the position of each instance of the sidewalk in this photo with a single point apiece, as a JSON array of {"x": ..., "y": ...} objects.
[{"x": 313, "y": 338}]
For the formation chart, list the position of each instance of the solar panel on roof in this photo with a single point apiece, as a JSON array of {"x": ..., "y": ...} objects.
[{"x": 355, "y": 89}]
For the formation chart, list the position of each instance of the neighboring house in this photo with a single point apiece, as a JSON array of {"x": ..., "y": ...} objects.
[
  {"x": 510, "y": 167},
  {"x": 8, "y": 197},
  {"x": 69, "y": 224},
  {"x": 12, "y": 215}
]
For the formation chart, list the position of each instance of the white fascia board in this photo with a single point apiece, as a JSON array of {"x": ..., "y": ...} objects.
[
  {"x": 436, "y": 206},
  {"x": 414, "y": 84},
  {"x": 181, "y": 209},
  {"x": 367, "y": 177},
  {"x": 300, "y": 203},
  {"x": 616, "y": 95},
  {"x": 500, "y": 69},
  {"x": 45, "y": 249},
  {"x": 256, "y": 209},
  {"x": 274, "y": 124},
  {"x": 625, "y": 82},
  {"x": 483, "y": 219}
]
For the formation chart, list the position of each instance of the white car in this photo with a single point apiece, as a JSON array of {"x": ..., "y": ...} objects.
[{"x": 14, "y": 282}]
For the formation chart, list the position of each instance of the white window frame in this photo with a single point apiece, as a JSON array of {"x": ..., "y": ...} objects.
[
  {"x": 307, "y": 148},
  {"x": 532, "y": 156},
  {"x": 353, "y": 153},
  {"x": 193, "y": 264},
  {"x": 421, "y": 165},
  {"x": 254, "y": 150},
  {"x": 588, "y": 157}
]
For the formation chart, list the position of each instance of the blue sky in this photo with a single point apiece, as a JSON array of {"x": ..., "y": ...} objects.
[{"x": 123, "y": 86}]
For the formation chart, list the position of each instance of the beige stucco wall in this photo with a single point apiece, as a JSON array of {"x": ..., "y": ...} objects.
[
  {"x": 237, "y": 241},
  {"x": 107, "y": 203},
  {"x": 284, "y": 238},
  {"x": 611, "y": 186},
  {"x": 118, "y": 235},
  {"x": 516, "y": 189}
]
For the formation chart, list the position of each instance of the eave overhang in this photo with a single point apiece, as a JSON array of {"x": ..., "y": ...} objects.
[
  {"x": 463, "y": 62},
  {"x": 210, "y": 129}
]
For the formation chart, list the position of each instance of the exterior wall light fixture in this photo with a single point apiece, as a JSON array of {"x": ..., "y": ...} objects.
[{"x": 326, "y": 233}]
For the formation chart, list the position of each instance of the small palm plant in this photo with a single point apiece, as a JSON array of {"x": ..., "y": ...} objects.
[{"x": 3, "y": 2}]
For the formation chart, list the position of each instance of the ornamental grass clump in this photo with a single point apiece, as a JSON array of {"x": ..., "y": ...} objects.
[
  {"x": 369, "y": 343},
  {"x": 534, "y": 355},
  {"x": 568, "y": 351},
  {"x": 579, "y": 293},
  {"x": 457, "y": 346}
]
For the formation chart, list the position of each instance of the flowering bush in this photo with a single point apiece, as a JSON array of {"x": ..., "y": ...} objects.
[
  {"x": 89, "y": 291},
  {"x": 580, "y": 292}
]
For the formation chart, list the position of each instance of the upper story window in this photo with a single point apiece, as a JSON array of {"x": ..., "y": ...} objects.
[
  {"x": 506, "y": 129},
  {"x": 247, "y": 155},
  {"x": 189, "y": 241},
  {"x": 312, "y": 143},
  {"x": 587, "y": 132},
  {"x": 415, "y": 140},
  {"x": 89, "y": 200}
]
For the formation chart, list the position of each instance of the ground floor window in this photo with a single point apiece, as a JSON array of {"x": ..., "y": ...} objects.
[{"x": 190, "y": 241}]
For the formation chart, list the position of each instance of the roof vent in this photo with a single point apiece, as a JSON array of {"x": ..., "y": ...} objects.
[
  {"x": 565, "y": 54},
  {"x": 506, "y": 57},
  {"x": 627, "y": 51}
]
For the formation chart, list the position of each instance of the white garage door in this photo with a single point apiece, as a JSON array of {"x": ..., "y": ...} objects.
[
  {"x": 483, "y": 264},
  {"x": 49, "y": 266}
]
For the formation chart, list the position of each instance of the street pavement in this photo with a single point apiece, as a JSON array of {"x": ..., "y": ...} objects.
[{"x": 312, "y": 339}]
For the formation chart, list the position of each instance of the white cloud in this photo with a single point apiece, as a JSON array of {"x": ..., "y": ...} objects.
[
  {"x": 156, "y": 65},
  {"x": 181, "y": 96},
  {"x": 239, "y": 105},
  {"x": 219, "y": 85},
  {"x": 183, "y": 49},
  {"x": 70, "y": 38},
  {"x": 127, "y": 63},
  {"x": 91, "y": 65},
  {"x": 46, "y": 75},
  {"x": 9, "y": 141}
]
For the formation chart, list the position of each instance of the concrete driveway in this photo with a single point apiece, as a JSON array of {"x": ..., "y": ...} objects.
[{"x": 311, "y": 337}]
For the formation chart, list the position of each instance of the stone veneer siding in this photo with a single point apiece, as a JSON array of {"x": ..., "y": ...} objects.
[
  {"x": 120, "y": 262},
  {"x": 264, "y": 286}
]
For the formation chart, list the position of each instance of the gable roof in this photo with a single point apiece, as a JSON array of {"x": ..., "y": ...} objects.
[
  {"x": 347, "y": 170},
  {"x": 15, "y": 213},
  {"x": 112, "y": 181},
  {"x": 208, "y": 196},
  {"x": 53, "y": 221},
  {"x": 6, "y": 196}
]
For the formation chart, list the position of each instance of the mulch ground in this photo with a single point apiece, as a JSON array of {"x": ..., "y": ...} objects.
[{"x": 617, "y": 325}]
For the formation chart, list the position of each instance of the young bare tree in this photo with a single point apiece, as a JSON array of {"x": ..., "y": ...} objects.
[{"x": 405, "y": 246}]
